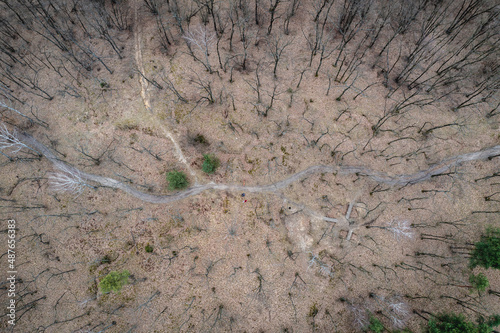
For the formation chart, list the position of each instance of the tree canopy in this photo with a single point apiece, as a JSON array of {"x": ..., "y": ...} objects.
[{"x": 453, "y": 323}]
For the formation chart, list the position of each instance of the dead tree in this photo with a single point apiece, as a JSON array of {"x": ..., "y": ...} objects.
[
  {"x": 120, "y": 14},
  {"x": 68, "y": 180},
  {"x": 33, "y": 119},
  {"x": 321, "y": 19},
  {"x": 425, "y": 48},
  {"x": 348, "y": 67},
  {"x": 203, "y": 40},
  {"x": 352, "y": 18},
  {"x": 205, "y": 87},
  {"x": 326, "y": 52},
  {"x": 255, "y": 85},
  {"x": 183, "y": 13},
  {"x": 98, "y": 157},
  {"x": 468, "y": 10},
  {"x": 319, "y": 6},
  {"x": 256, "y": 12},
  {"x": 276, "y": 46},
  {"x": 273, "y": 5},
  {"x": 407, "y": 13},
  {"x": 170, "y": 86},
  {"x": 98, "y": 20},
  {"x": 152, "y": 6},
  {"x": 29, "y": 81},
  {"x": 9, "y": 141},
  {"x": 273, "y": 95},
  {"x": 164, "y": 32},
  {"x": 399, "y": 108},
  {"x": 245, "y": 38},
  {"x": 383, "y": 14},
  {"x": 291, "y": 10},
  {"x": 488, "y": 85}
]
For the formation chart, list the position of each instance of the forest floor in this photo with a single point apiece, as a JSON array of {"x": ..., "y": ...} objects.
[{"x": 336, "y": 240}]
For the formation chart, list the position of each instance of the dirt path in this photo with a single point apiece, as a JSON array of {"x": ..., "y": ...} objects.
[
  {"x": 275, "y": 188},
  {"x": 145, "y": 96}
]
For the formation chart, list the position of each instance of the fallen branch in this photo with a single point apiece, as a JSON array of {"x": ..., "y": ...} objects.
[{"x": 377, "y": 176}]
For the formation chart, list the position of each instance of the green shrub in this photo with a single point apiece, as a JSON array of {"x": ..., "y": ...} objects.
[
  {"x": 210, "y": 163},
  {"x": 114, "y": 281},
  {"x": 452, "y": 323},
  {"x": 177, "y": 180},
  {"x": 375, "y": 325},
  {"x": 487, "y": 251},
  {"x": 479, "y": 282},
  {"x": 148, "y": 248}
]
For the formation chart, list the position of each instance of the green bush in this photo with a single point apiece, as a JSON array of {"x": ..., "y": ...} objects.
[
  {"x": 375, "y": 325},
  {"x": 148, "y": 248},
  {"x": 479, "y": 282},
  {"x": 487, "y": 251},
  {"x": 114, "y": 281},
  {"x": 452, "y": 323},
  {"x": 177, "y": 180},
  {"x": 210, "y": 163}
]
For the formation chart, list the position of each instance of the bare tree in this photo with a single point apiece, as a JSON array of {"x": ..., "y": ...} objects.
[
  {"x": 400, "y": 229},
  {"x": 164, "y": 32},
  {"x": 152, "y": 6},
  {"x": 120, "y": 14},
  {"x": 273, "y": 5},
  {"x": 170, "y": 86},
  {"x": 407, "y": 13},
  {"x": 352, "y": 18},
  {"x": 35, "y": 118},
  {"x": 205, "y": 87},
  {"x": 68, "y": 180},
  {"x": 9, "y": 141},
  {"x": 320, "y": 21},
  {"x": 291, "y": 10},
  {"x": 99, "y": 20},
  {"x": 246, "y": 36},
  {"x": 203, "y": 40},
  {"x": 277, "y": 46}
]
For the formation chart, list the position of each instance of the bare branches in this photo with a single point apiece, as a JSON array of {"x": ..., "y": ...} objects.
[
  {"x": 205, "y": 87},
  {"x": 68, "y": 180},
  {"x": 273, "y": 4},
  {"x": 152, "y": 6},
  {"x": 276, "y": 47},
  {"x": 203, "y": 40},
  {"x": 324, "y": 268},
  {"x": 290, "y": 12},
  {"x": 400, "y": 229},
  {"x": 170, "y": 86},
  {"x": 10, "y": 142}
]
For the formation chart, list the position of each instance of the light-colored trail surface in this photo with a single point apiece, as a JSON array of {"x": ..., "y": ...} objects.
[
  {"x": 145, "y": 96},
  {"x": 377, "y": 176}
]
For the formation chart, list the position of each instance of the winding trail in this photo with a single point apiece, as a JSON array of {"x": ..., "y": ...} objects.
[{"x": 377, "y": 176}]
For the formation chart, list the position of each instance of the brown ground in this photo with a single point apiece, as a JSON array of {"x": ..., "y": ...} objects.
[{"x": 221, "y": 264}]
